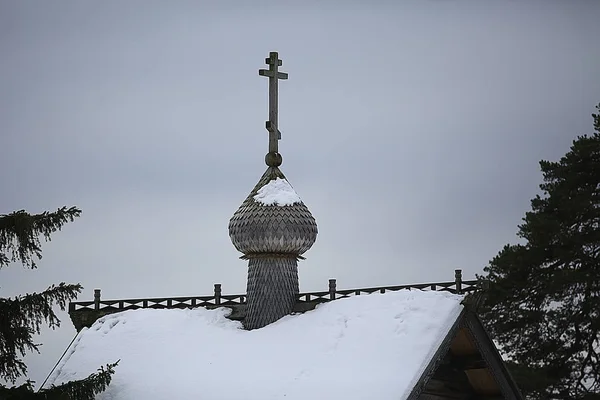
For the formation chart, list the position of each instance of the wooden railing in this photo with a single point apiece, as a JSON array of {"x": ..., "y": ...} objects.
[
  {"x": 217, "y": 299},
  {"x": 460, "y": 287}
]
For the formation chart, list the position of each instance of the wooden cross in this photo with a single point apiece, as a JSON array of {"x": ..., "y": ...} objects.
[{"x": 274, "y": 75}]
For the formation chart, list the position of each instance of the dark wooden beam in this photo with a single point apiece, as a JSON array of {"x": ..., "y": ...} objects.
[
  {"x": 468, "y": 362},
  {"x": 465, "y": 362},
  {"x": 449, "y": 381},
  {"x": 449, "y": 373},
  {"x": 448, "y": 389}
]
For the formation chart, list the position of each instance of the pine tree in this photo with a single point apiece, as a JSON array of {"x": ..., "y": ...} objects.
[
  {"x": 543, "y": 302},
  {"x": 22, "y": 316}
]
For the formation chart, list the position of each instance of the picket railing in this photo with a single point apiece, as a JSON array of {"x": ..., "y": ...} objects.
[{"x": 219, "y": 300}]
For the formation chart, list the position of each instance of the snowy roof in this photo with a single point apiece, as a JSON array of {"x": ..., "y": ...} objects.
[{"x": 372, "y": 346}]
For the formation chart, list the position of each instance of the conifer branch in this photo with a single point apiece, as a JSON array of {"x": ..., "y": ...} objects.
[
  {"x": 84, "y": 389},
  {"x": 20, "y": 233},
  {"x": 21, "y": 318}
]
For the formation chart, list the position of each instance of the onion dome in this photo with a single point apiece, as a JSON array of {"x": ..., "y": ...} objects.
[{"x": 273, "y": 219}]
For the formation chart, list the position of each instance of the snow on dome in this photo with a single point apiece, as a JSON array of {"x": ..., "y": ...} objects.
[
  {"x": 364, "y": 347},
  {"x": 278, "y": 192}
]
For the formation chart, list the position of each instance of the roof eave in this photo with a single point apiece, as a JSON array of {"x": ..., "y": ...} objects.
[
  {"x": 469, "y": 319},
  {"x": 492, "y": 357},
  {"x": 437, "y": 358}
]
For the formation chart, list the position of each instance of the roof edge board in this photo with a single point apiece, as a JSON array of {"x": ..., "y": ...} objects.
[
  {"x": 437, "y": 358},
  {"x": 492, "y": 357}
]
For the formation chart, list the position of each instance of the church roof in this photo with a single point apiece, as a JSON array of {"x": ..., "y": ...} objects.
[{"x": 374, "y": 346}]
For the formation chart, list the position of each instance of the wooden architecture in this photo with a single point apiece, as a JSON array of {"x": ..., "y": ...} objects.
[
  {"x": 84, "y": 313},
  {"x": 465, "y": 366},
  {"x": 272, "y": 237}
]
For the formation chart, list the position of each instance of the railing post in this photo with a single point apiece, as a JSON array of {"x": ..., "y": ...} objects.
[
  {"x": 332, "y": 289},
  {"x": 217, "y": 293},
  {"x": 96, "y": 299},
  {"x": 458, "y": 280}
]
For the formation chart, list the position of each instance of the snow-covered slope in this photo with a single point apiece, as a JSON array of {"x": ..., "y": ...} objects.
[{"x": 374, "y": 346}]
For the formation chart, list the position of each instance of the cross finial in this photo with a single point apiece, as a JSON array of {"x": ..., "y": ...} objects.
[{"x": 272, "y": 126}]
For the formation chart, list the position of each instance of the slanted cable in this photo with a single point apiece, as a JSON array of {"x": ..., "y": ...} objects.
[{"x": 58, "y": 362}]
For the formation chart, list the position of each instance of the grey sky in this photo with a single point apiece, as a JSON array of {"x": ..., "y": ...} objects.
[{"x": 412, "y": 130}]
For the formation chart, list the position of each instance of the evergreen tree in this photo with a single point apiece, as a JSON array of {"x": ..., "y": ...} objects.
[
  {"x": 543, "y": 303},
  {"x": 21, "y": 317}
]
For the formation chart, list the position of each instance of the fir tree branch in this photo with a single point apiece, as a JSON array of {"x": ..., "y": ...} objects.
[
  {"x": 23, "y": 392},
  {"x": 84, "y": 389},
  {"x": 20, "y": 233},
  {"x": 21, "y": 318}
]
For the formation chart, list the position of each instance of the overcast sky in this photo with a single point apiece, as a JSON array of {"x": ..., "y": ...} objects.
[{"x": 412, "y": 130}]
